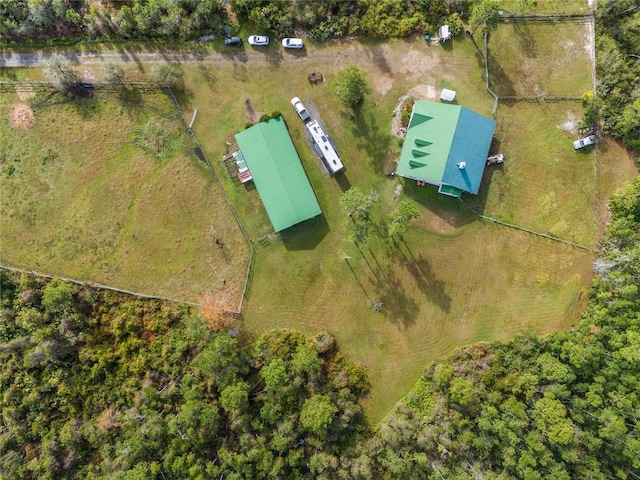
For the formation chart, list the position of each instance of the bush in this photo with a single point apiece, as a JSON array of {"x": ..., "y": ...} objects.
[
  {"x": 268, "y": 116},
  {"x": 407, "y": 108}
]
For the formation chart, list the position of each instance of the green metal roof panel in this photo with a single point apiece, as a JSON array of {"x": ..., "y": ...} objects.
[
  {"x": 439, "y": 137},
  {"x": 471, "y": 144},
  {"x": 278, "y": 174},
  {"x": 430, "y": 132}
]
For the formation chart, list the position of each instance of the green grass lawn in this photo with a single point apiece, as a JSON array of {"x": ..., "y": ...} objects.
[
  {"x": 570, "y": 7},
  {"x": 528, "y": 59},
  {"x": 80, "y": 199},
  {"x": 457, "y": 280},
  {"x": 454, "y": 281},
  {"x": 544, "y": 184}
]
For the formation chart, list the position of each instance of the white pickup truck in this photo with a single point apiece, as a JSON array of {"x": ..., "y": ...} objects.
[{"x": 585, "y": 142}]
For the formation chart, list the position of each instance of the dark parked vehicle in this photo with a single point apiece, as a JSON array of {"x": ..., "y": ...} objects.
[{"x": 234, "y": 41}]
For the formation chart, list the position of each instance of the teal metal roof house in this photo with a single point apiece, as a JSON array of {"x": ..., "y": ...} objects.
[
  {"x": 446, "y": 145},
  {"x": 278, "y": 174}
]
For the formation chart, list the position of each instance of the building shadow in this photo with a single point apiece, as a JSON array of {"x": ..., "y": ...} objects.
[
  {"x": 441, "y": 205},
  {"x": 305, "y": 235}
]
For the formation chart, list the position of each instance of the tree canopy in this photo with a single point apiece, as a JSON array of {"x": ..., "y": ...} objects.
[
  {"x": 616, "y": 106},
  {"x": 350, "y": 85},
  {"x": 97, "y": 384},
  {"x": 485, "y": 16},
  {"x": 59, "y": 71}
]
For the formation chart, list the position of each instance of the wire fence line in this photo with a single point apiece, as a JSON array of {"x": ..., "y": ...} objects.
[
  {"x": 586, "y": 18},
  {"x": 14, "y": 86},
  {"x": 548, "y": 18},
  {"x": 95, "y": 285},
  {"x": 203, "y": 156},
  {"x": 528, "y": 230}
]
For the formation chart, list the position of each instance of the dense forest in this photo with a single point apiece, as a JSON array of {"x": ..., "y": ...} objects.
[
  {"x": 101, "y": 385},
  {"x": 616, "y": 106},
  {"x": 39, "y": 20}
]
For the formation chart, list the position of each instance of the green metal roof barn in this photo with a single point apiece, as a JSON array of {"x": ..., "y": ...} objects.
[
  {"x": 278, "y": 174},
  {"x": 446, "y": 145}
]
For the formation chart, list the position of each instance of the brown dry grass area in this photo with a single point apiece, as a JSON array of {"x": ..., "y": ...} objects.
[{"x": 21, "y": 117}]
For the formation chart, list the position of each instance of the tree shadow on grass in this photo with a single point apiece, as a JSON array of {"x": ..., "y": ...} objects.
[
  {"x": 398, "y": 305},
  {"x": 208, "y": 76},
  {"x": 236, "y": 56},
  {"x": 184, "y": 95},
  {"x": 425, "y": 277},
  {"x": 527, "y": 41},
  {"x": 128, "y": 55},
  {"x": 377, "y": 56},
  {"x": 87, "y": 107},
  {"x": 369, "y": 137},
  {"x": 499, "y": 81},
  {"x": 274, "y": 58}
]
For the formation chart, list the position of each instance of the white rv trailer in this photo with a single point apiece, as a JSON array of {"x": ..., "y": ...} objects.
[{"x": 325, "y": 148}]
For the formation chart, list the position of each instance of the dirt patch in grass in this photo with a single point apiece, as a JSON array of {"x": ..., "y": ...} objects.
[
  {"x": 419, "y": 92},
  {"x": 21, "y": 117}
]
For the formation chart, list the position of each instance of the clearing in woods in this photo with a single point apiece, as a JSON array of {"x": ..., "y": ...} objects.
[{"x": 137, "y": 221}]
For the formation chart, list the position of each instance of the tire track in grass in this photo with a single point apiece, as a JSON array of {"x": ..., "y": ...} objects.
[{"x": 128, "y": 221}]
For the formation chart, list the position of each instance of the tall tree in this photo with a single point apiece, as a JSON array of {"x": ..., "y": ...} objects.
[
  {"x": 59, "y": 71},
  {"x": 401, "y": 217},
  {"x": 167, "y": 75},
  {"x": 350, "y": 85},
  {"x": 485, "y": 16},
  {"x": 357, "y": 206}
]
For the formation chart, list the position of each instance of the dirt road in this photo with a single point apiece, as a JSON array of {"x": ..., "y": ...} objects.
[{"x": 384, "y": 61}]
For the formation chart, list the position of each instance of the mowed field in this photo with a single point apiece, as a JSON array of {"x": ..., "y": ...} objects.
[
  {"x": 81, "y": 199},
  {"x": 456, "y": 279},
  {"x": 533, "y": 58}
]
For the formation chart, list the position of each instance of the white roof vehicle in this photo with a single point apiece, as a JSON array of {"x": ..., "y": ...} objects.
[
  {"x": 325, "y": 147},
  {"x": 258, "y": 40},
  {"x": 584, "y": 142},
  {"x": 292, "y": 43},
  {"x": 299, "y": 107}
]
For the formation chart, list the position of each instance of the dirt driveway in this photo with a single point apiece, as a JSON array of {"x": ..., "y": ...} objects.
[{"x": 411, "y": 59}]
